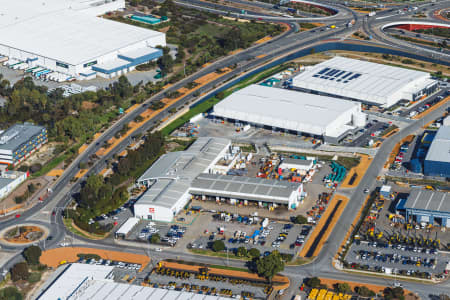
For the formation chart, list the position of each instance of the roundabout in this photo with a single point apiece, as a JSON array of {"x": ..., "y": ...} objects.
[{"x": 22, "y": 235}]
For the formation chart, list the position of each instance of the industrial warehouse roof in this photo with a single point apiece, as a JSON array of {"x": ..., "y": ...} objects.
[
  {"x": 296, "y": 161},
  {"x": 70, "y": 278},
  {"x": 428, "y": 200},
  {"x": 64, "y": 31},
  {"x": 18, "y": 134},
  {"x": 440, "y": 146},
  {"x": 285, "y": 109},
  {"x": 248, "y": 188},
  {"x": 188, "y": 163},
  {"x": 175, "y": 171},
  {"x": 362, "y": 80},
  {"x": 88, "y": 282}
]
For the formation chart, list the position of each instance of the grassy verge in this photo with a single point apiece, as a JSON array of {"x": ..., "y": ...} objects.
[
  {"x": 298, "y": 261},
  {"x": 229, "y": 268},
  {"x": 208, "y": 104},
  {"x": 389, "y": 129},
  {"x": 68, "y": 224},
  {"x": 52, "y": 164},
  {"x": 217, "y": 254},
  {"x": 419, "y": 181}
]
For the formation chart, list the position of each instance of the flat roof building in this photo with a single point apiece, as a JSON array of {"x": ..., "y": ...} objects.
[
  {"x": 437, "y": 160},
  {"x": 248, "y": 188},
  {"x": 427, "y": 206},
  {"x": 368, "y": 82},
  {"x": 93, "y": 282},
  {"x": 19, "y": 141},
  {"x": 293, "y": 111},
  {"x": 67, "y": 37}
]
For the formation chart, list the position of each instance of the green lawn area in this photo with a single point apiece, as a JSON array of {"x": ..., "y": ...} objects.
[{"x": 69, "y": 226}]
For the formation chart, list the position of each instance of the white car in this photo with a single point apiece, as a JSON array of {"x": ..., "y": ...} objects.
[
  {"x": 158, "y": 250},
  {"x": 64, "y": 244}
]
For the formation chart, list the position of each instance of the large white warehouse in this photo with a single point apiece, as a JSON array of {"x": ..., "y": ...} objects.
[
  {"x": 294, "y": 111},
  {"x": 65, "y": 37},
  {"x": 364, "y": 81}
]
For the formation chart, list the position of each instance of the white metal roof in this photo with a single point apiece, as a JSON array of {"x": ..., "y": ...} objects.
[
  {"x": 127, "y": 226},
  {"x": 87, "y": 282},
  {"x": 60, "y": 32},
  {"x": 286, "y": 109},
  {"x": 71, "y": 278},
  {"x": 174, "y": 171},
  {"x": 362, "y": 80},
  {"x": 440, "y": 146}
]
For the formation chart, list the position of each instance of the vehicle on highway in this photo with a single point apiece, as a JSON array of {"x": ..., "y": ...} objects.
[{"x": 366, "y": 191}]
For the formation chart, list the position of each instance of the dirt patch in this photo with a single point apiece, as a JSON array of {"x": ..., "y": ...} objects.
[
  {"x": 87, "y": 105},
  {"x": 23, "y": 234},
  {"x": 357, "y": 172},
  {"x": 42, "y": 155},
  {"x": 8, "y": 204},
  {"x": 352, "y": 284},
  {"x": 54, "y": 257},
  {"x": 281, "y": 282},
  {"x": 164, "y": 29}
]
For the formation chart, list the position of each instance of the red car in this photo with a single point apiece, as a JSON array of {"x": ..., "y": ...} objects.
[{"x": 18, "y": 216}]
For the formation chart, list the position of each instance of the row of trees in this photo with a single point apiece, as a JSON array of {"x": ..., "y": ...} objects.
[{"x": 98, "y": 195}]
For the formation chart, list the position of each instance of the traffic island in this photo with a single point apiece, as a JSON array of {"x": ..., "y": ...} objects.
[{"x": 58, "y": 256}]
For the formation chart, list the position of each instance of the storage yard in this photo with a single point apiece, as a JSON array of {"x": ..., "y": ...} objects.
[{"x": 392, "y": 240}]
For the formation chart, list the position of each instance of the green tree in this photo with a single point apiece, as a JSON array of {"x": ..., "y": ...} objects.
[
  {"x": 364, "y": 291},
  {"x": 20, "y": 272},
  {"x": 268, "y": 266},
  {"x": 342, "y": 288},
  {"x": 32, "y": 255},
  {"x": 394, "y": 293},
  {"x": 218, "y": 246},
  {"x": 254, "y": 253},
  {"x": 241, "y": 252},
  {"x": 313, "y": 282},
  {"x": 300, "y": 219},
  {"x": 155, "y": 239},
  {"x": 10, "y": 293}
]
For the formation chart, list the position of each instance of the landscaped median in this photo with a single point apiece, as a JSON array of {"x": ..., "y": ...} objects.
[
  {"x": 325, "y": 226},
  {"x": 57, "y": 256},
  {"x": 357, "y": 173}
]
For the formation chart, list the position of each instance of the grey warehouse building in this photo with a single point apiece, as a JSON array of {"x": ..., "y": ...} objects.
[
  {"x": 437, "y": 161},
  {"x": 247, "y": 188},
  {"x": 427, "y": 206}
]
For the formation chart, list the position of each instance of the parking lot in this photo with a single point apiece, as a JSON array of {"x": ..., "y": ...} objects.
[
  {"x": 401, "y": 259},
  {"x": 286, "y": 238}
]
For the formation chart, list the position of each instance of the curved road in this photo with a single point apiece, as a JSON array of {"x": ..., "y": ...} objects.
[{"x": 63, "y": 189}]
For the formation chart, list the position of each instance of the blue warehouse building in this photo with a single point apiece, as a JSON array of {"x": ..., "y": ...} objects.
[
  {"x": 437, "y": 161},
  {"x": 427, "y": 206}
]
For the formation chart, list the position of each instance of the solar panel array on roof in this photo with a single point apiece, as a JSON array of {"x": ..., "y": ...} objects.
[{"x": 365, "y": 81}]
